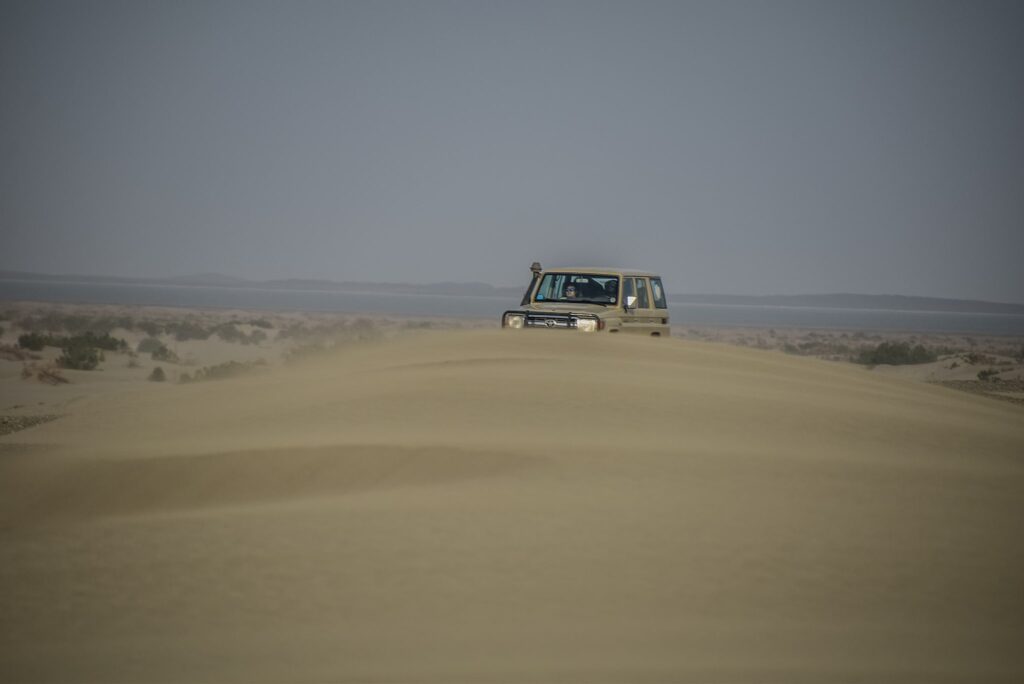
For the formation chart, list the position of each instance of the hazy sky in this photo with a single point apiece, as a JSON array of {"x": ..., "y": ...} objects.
[{"x": 747, "y": 147}]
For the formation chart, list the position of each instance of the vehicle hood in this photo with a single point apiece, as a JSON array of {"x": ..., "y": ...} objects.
[{"x": 569, "y": 307}]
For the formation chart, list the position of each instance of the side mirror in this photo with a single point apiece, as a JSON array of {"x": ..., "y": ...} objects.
[{"x": 630, "y": 302}]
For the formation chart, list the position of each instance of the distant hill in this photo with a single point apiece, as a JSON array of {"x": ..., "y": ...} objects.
[
  {"x": 475, "y": 289},
  {"x": 308, "y": 284},
  {"x": 451, "y": 289}
]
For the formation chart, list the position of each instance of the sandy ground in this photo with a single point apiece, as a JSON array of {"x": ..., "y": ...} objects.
[{"x": 479, "y": 506}]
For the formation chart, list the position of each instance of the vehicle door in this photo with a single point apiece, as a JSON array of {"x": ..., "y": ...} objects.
[
  {"x": 646, "y": 318},
  {"x": 635, "y": 318},
  {"x": 660, "y": 303}
]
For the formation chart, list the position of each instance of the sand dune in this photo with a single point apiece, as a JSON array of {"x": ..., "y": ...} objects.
[{"x": 484, "y": 506}]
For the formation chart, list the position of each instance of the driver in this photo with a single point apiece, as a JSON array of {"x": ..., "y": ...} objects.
[
  {"x": 570, "y": 291},
  {"x": 611, "y": 289}
]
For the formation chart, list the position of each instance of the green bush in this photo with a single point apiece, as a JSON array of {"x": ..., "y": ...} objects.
[
  {"x": 229, "y": 333},
  {"x": 157, "y": 375},
  {"x": 149, "y": 345},
  {"x": 91, "y": 339},
  {"x": 162, "y": 353},
  {"x": 36, "y": 341},
  {"x": 189, "y": 330},
  {"x": 80, "y": 358},
  {"x": 896, "y": 354},
  {"x": 33, "y": 341},
  {"x": 150, "y": 328}
]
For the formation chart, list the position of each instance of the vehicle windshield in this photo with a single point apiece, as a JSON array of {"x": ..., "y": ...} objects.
[{"x": 585, "y": 288}]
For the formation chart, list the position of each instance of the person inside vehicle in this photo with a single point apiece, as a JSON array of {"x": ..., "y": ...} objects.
[
  {"x": 611, "y": 290},
  {"x": 570, "y": 292}
]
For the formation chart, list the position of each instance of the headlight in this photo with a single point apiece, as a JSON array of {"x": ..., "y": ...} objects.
[
  {"x": 514, "y": 321},
  {"x": 586, "y": 324}
]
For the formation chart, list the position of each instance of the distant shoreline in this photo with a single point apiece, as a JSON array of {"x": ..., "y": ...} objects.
[{"x": 474, "y": 289}]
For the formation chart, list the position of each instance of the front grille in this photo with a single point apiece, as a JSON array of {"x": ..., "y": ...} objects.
[{"x": 535, "y": 320}]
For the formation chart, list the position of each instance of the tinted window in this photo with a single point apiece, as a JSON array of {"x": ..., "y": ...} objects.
[
  {"x": 642, "y": 302},
  {"x": 659, "y": 294},
  {"x": 578, "y": 287}
]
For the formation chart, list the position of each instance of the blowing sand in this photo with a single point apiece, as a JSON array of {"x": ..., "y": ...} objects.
[{"x": 482, "y": 506}]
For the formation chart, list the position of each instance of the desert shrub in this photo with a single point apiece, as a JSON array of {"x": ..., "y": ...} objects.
[
  {"x": 157, "y": 375},
  {"x": 33, "y": 341},
  {"x": 189, "y": 330},
  {"x": 36, "y": 341},
  {"x": 149, "y": 345},
  {"x": 9, "y": 352},
  {"x": 822, "y": 346},
  {"x": 162, "y": 353},
  {"x": 80, "y": 358},
  {"x": 223, "y": 371},
  {"x": 150, "y": 328},
  {"x": 109, "y": 323},
  {"x": 2, "y": 331},
  {"x": 229, "y": 333},
  {"x": 47, "y": 374},
  {"x": 293, "y": 331},
  {"x": 54, "y": 321},
  {"x": 91, "y": 339},
  {"x": 896, "y": 354},
  {"x": 307, "y": 350},
  {"x": 261, "y": 323},
  {"x": 977, "y": 359},
  {"x": 988, "y": 374}
]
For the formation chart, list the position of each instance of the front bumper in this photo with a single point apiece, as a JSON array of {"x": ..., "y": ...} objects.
[{"x": 518, "y": 319}]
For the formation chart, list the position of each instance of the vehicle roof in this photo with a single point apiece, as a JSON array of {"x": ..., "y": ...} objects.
[{"x": 602, "y": 270}]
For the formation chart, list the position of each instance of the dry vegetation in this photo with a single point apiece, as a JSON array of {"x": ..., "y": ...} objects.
[
  {"x": 86, "y": 349},
  {"x": 194, "y": 345},
  {"x": 987, "y": 365}
]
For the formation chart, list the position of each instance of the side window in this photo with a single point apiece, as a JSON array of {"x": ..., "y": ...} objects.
[
  {"x": 550, "y": 287},
  {"x": 627, "y": 289},
  {"x": 659, "y": 294},
  {"x": 642, "y": 302}
]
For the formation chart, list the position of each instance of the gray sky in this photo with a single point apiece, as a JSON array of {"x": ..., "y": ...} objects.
[{"x": 760, "y": 147}]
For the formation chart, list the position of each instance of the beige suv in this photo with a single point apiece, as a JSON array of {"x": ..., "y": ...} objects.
[{"x": 592, "y": 299}]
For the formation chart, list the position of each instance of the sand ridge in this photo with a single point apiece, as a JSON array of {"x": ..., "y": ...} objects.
[{"x": 487, "y": 506}]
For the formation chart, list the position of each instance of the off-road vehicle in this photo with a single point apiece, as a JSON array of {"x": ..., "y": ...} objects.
[{"x": 592, "y": 299}]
